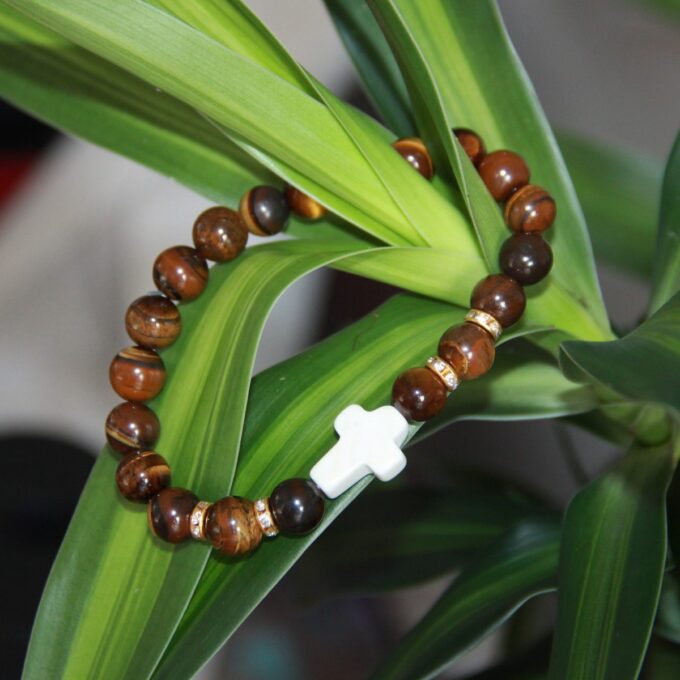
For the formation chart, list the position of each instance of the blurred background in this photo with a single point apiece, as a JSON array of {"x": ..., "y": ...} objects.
[{"x": 80, "y": 227}]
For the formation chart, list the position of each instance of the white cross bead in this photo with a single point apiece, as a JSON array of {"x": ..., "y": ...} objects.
[{"x": 369, "y": 444}]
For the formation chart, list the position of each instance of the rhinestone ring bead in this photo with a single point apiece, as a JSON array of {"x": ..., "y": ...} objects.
[
  {"x": 197, "y": 520},
  {"x": 485, "y": 321},
  {"x": 264, "y": 518},
  {"x": 444, "y": 371}
]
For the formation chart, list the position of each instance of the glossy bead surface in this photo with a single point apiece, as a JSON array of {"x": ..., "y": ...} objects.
[
  {"x": 142, "y": 475},
  {"x": 180, "y": 273},
  {"x": 304, "y": 206},
  {"x": 500, "y": 296},
  {"x": 153, "y": 321},
  {"x": 220, "y": 234},
  {"x": 264, "y": 210},
  {"x": 503, "y": 172},
  {"x": 137, "y": 373},
  {"x": 297, "y": 506},
  {"x": 132, "y": 427},
  {"x": 169, "y": 513},
  {"x": 231, "y": 526},
  {"x": 418, "y": 394},
  {"x": 472, "y": 144},
  {"x": 414, "y": 151},
  {"x": 527, "y": 258},
  {"x": 469, "y": 349},
  {"x": 531, "y": 209}
]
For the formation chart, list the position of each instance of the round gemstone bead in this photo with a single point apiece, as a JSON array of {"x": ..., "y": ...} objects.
[
  {"x": 469, "y": 349},
  {"x": 142, "y": 475},
  {"x": 220, "y": 234},
  {"x": 181, "y": 273},
  {"x": 531, "y": 209},
  {"x": 297, "y": 506},
  {"x": 414, "y": 151},
  {"x": 153, "y": 321},
  {"x": 304, "y": 206},
  {"x": 169, "y": 514},
  {"x": 231, "y": 526},
  {"x": 527, "y": 258},
  {"x": 132, "y": 427},
  {"x": 418, "y": 394},
  {"x": 500, "y": 296},
  {"x": 472, "y": 144},
  {"x": 264, "y": 210},
  {"x": 503, "y": 172},
  {"x": 137, "y": 374}
]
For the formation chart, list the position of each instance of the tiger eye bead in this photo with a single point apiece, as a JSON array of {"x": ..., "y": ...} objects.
[
  {"x": 469, "y": 349},
  {"x": 264, "y": 210},
  {"x": 169, "y": 514},
  {"x": 304, "y": 206},
  {"x": 132, "y": 427},
  {"x": 472, "y": 144},
  {"x": 500, "y": 296},
  {"x": 531, "y": 209},
  {"x": 231, "y": 526},
  {"x": 414, "y": 151},
  {"x": 220, "y": 234},
  {"x": 297, "y": 506},
  {"x": 419, "y": 394},
  {"x": 137, "y": 373},
  {"x": 527, "y": 258},
  {"x": 153, "y": 321},
  {"x": 142, "y": 475},
  {"x": 503, "y": 172},
  {"x": 181, "y": 273}
]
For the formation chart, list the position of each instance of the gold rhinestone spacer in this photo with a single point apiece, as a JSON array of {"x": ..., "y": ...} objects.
[
  {"x": 264, "y": 517},
  {"x": 485, "y": 321},
  {"x": 444, "y": 371},
  {"x": 197, "y": 520}
]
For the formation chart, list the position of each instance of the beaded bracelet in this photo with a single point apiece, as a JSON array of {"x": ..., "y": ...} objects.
[{"x": 369, "y": 442}]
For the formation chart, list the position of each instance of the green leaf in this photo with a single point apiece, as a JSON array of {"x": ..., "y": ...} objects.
[
  {"x": 519, "y": 566},
  {"x": 612, "y": 559},
  {"x": 667, "y": 260}
]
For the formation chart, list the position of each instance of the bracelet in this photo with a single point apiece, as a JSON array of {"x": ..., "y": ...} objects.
[{"x": 369, "y": 441}]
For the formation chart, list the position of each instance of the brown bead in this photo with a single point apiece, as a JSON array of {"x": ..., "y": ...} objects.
[
  {"x": 297, "y": 506},
  {"x": 181, "y": 273},
  {"x": 303, "y": 205},
  {"x": 469, "y": 349},
  {"x": 169, "y": 513},
  {"x": 132, "y": 427},
  {"x": 231, "y": 526},
  {"x": 153, "y": 321},
  {"x": 142, "y": 475},
  {"x": 472, "y": 144},
  {"x": 264, "y": 210},
  {"x": 413, "y": 150},
  {"x": 419, "y": 394},
  {"x": 503, "y": 172},
  {"x": 137, "y": 373},
  {"x": 531, "y": 209},
  {"x": 220, "y": 234},
  {"x": 527, "y": 258},
  {"x": 500, "y": 296}
]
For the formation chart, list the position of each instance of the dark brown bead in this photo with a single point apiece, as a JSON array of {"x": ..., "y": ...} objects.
[
  {"x": 472, "y": 144},
  {"x": 303, "y": 205},
  {"x": 231, "y": 526},
  {"x": 531, "y": 209},
  {"x": 264, "y": 210},
  {"x": 527, "y": 258},
  {"x": 413, "y": 150},
  {"x": 220, "y": 234},
  {"x": 500, "y": 296},
  {"x": 169, "y": 514},
  {"x": 503, "y": 172},
  {"x": 419, "y": 394},
  {"x": 153, "y": 321},
  {"x": 137, "y": 373},
  {"x": 132, "y": 427},
  {"x": 297, "y": 506},
  {"x": 181, "y": 273},
  {"x": 469, "y": 349},
  {"x": 142, "y": 475}
]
